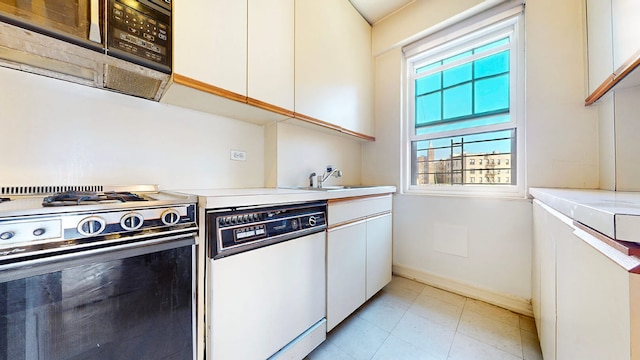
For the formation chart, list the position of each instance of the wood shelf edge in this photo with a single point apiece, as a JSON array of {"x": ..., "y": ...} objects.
[{"x": 613, "y": 79}]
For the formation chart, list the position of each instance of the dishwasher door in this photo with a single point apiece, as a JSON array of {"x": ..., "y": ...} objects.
[{"x": 262, "y": 300}]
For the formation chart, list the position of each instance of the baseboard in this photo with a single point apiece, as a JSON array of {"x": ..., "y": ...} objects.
[{"x": 509, "y": 302}]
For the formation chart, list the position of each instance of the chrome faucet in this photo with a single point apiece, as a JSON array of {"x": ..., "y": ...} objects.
[{"x": 330, "y": 172}]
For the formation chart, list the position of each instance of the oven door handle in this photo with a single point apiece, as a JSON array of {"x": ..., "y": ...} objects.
[{"x": 46, "y": 264}]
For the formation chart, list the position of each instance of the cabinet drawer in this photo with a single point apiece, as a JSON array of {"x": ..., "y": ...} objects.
[{"x": 341, "y": 211}]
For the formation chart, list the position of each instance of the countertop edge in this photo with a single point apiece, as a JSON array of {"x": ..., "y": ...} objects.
[
  {"x": 594, "y": 225},
  {"x": 224, "y": 198}
]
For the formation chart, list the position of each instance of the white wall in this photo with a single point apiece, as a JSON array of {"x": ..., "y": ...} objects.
[
  {"x": 562, "y": 134},
  {"x": 58, "y": 133},
  {"x": 481, "y": 242},
  {"x": 561, "y": 149},
  {"x": 301, "y": 150},
  {"x": 627, "y": 127}
]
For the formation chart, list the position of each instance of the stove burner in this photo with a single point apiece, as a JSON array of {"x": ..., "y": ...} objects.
[{"x": 69, "y": 198}]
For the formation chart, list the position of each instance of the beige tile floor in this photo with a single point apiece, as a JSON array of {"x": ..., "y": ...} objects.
[{"x": 409, "y": 320}]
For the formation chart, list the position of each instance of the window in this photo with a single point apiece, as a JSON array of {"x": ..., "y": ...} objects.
[{"x": 464, "y": 96}]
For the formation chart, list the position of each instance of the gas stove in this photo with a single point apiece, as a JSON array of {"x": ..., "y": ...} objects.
[{"x": 31, "y": 222}]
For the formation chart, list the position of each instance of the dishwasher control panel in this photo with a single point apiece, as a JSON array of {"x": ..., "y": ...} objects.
[{"x": 232, "y": 231}]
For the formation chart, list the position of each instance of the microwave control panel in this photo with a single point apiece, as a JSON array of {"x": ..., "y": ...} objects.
[{"x": 139, "y": 33}]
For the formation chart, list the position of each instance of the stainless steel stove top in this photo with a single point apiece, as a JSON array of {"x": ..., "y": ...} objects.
[{"x": 30, "y": 223}]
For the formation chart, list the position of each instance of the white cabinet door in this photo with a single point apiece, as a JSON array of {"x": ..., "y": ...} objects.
[
  {"x": 592, "y": 303},
  {"x": 599, "y": 37},
  {"x": 626, "y": 27},
  {"x": 333, "y": 64},
  {"x": 544, "y": 278},
  {"x": 270, "y": 52},
  {"x": 210, "y": 42},
  {"x": 346, "y": 278},
  {"x": 379, "y": 250}
]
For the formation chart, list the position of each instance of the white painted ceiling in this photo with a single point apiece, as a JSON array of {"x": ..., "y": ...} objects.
[{"x": 374, "y": 10}]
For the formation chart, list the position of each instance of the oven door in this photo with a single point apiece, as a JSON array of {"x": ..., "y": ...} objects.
[
  {"x": 75, "y": 21},
  {"x": 133, "y": 301}
]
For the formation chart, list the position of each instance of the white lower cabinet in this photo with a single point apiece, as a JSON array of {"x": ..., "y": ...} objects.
[
  {"x": 378, "y": 253},
  {"x": 359, "y": 254},
  {"x": 346, "y": 271},
  {"x": 585, "y": 304}
]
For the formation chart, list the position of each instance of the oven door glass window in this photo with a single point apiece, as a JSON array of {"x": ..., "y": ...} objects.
[{"x": 137, "y": 307}]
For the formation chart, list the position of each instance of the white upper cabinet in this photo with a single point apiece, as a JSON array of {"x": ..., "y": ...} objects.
[
  {"x": 234, "y": 58},
  {"x": 333, "y": 65},
  {"x": 626, "y": 27},
  {"x": 210, "y": 42},
  {"x": 600, "y": 48},
  {"x": 613, "y": 45},
  {"x": 270, "y": 52}
]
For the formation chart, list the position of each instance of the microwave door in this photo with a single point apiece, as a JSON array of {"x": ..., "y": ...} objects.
[{"x": 75, "y": 21}]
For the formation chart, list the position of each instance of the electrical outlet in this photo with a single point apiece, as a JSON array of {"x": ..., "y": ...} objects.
[{"x": 238, "y": 155}]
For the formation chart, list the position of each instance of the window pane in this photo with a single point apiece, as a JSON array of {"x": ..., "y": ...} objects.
[
  {"x": 491, "y": 94},
  {"x": 427, "y": 67},
  {"x": 457, "y": 75},
  {"x": 452, "y": 160},
  {"x": 491, "y": 45},
  {"x": 428, "y": 109},
  {"x": 457, "y": 101},
  {"x": 456, "y": 57},
  {"x": 428, "y": 84},
  {"x": 463, "y": 124},
  {"x": 492, "y": 65}
]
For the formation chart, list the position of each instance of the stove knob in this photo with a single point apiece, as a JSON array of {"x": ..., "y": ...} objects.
[
  {"x": 312, "y": 221},
  {"x": 7, "y": 235},
  {"x": 170, "y": 217},
  {"x": 39, "y": 232},
  {"x": 92, "y": 225},
  {"x": 132, "y": 221},
  {"x": 245, "y": 218}
]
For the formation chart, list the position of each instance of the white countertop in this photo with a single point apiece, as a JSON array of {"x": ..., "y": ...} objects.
[
  {"x": 221, "y": 198},
  {"x": 613, "y": 213}
]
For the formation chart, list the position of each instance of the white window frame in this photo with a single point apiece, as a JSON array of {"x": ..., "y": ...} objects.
[{"x": 491, "y": 25}]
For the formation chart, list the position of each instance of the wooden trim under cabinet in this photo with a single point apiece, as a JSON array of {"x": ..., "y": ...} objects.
[
  {"x": 269, "y": 107},
  {"x": 613, "y": 79},
  {"x": 214, "y": 90},
  {"x": 331, "y": 126},
  {"x": 202, "y": 86}
]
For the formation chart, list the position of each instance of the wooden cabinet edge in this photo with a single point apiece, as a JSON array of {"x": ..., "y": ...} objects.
[
  {"x": 614, "y": 79},
  {"x": 214, "y": 90},
  {"x": 202, "y": 86},
  {"x": 327, "y": 125},
  {"x": 627, "y": 249},
  {"x": 269, "y": 107}
]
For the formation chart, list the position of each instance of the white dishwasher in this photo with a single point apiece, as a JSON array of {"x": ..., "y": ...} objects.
[{"x": 266, "y": 295}]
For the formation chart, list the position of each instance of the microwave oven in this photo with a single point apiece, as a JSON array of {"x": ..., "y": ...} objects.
[{"x": 137, "y": 31}]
